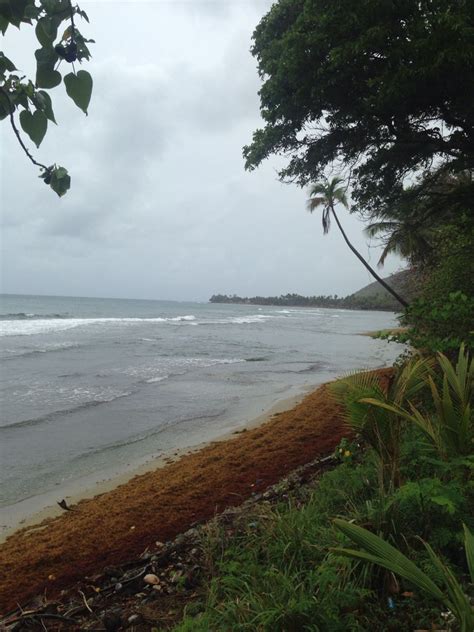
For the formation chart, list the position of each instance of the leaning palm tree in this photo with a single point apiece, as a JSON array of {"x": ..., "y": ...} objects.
[
  {"x": 403, "y": 235},
  {"x": 328, "y": 194}
]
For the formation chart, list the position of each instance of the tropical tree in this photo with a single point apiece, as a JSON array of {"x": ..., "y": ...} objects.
[
  {"x": 371, "y": 410},
  {"x": 377, "y": 87},
  {"x": 405, "y": 236},
  {"x": 451, "y": 427},
  {"x": 326, "y": 195}
]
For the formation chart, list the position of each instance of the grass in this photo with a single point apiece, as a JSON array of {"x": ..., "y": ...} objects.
[
  {"x": 275, "y": 571},
  {"x": 278, "y": 569}
]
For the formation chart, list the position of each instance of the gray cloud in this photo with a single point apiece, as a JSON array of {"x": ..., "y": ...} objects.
[{"x": 160, "y": 205}]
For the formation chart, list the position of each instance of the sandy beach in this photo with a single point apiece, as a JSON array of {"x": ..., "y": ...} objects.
[
  {"x": 33, "y": 511},
  {"x": 124, "y": 518}
]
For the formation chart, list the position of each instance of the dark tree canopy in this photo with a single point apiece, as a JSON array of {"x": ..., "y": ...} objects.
[{"x": 383, "y": 87}]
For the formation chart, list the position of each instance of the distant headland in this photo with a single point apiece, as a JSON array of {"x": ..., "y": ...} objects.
[{"x": 370, "y": 297}]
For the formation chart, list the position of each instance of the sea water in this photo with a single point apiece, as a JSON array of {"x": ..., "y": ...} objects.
[{"x": 91, "y": 385}]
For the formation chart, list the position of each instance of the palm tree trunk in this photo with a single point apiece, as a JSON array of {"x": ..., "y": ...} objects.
[{"x": 364, "y": 262}]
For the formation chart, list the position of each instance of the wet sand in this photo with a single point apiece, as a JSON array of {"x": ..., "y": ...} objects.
[
  {"x": 117, "y": 525},
  {"x": 33, "y": 511}
]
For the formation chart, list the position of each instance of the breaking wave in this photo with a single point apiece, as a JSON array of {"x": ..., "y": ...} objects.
[
  {"x": 43, "y": 325},
  {"x": 26, "y": 316}
]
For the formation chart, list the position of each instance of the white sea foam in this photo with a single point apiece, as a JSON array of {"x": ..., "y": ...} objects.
[
  {"x": 247, "y": 320},
  {"x": 67, "y": 396},
  {"x": 45, "y": 326},
  {"x": 239, "y": 320},
  {"x": 165, "y": 368},
  {"x": 35, "y": 349}
]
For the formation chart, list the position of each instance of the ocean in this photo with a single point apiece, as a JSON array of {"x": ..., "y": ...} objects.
[{"x": 90, "y": 387}]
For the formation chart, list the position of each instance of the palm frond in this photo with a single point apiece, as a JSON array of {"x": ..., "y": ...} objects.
[
  {"x": 340, "y": 196},
  {"x": 375, "y": 229},
  {"x": 319, "y": 188},
  {"x": 349, "y": 390},
  {"x": 326, "y": 219},
  {"x": 469, "y": 546},
  {"x": 384, "y": 554},
  {"x": 378, "y": 551},
  {"x": 410, "y": 380},
  {"x": 385, "y": 252},
  {"x": 313, "y": 203}
]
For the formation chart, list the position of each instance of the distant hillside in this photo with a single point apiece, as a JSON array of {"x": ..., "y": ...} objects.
[
  {"x": 405, "y": 283},
  {"x": 372, "y": 296}
]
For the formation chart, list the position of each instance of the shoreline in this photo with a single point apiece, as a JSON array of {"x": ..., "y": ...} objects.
[
  {"x": 29, "y": 513},
  {"x": 117, "y": 526}
]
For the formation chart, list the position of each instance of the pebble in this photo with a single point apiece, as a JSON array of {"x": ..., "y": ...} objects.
[{"x": 151, "y": 579}]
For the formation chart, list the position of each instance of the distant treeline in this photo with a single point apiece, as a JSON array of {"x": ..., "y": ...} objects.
[{"x": 378, "y": 302}]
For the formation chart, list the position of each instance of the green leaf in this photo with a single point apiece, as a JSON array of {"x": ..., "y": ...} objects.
[
  {"x": 445, "y": 502},
  {"x": 46, "y": 56},
  {"x": 4, "y": 107},
  {"x": 20, "y": 98},
  {"x": 3, "y": 24},
  {"x": 42, "y": 100},
  {"x": 14, "y": 12},
  {"x": 6, "y": 65},
  {"x": 31, "y": 12},
  {"x": 388, "y": 556},
  {"x": 83, "y": 15},
  {"x": 46, "y": 31},
  {"x": 469, "y": 546},
  {"x": 60, "y": 181},
  {"x": 35, "y": 125},
  {"x": 79, "y": 88},
  {"x": 47, "y": 77}
]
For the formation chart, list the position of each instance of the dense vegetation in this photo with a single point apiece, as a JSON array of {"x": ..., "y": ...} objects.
[
  {"x": 443, "y": 315},
  {"x": 371, "y": 297},
  {"x": 374, "y": 91},
  {"x": 296, "y": 300},
  {"x": 406, "y": 479},
  {"x": 376, "y": 88}
]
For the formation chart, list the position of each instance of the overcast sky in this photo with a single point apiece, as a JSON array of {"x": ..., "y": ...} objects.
[{"x": 160, "y": 205}]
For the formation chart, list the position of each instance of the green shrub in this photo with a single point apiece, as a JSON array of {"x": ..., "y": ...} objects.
[
  {"x": 441, "y": 324},
  {"x": 443, "y": 317},
  {"x": 451, "y": 593}
]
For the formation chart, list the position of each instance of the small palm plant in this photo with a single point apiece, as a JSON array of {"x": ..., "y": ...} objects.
[
  {"x": 379, "y": 425},
  {"x": 377, "y": 551},
  {"x": 450, "y": 429}
]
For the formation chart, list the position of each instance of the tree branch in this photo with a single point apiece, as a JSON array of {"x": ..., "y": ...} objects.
[
  {"x": 17, "y": 133},
  {"x": 73, "y": 26}
]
